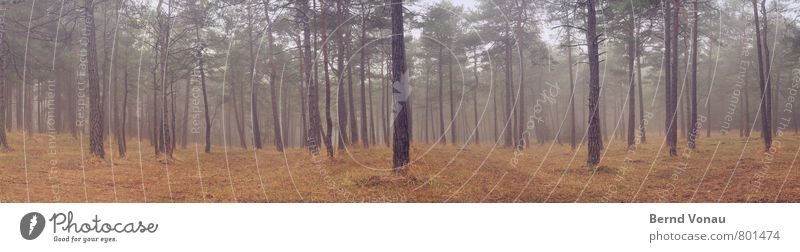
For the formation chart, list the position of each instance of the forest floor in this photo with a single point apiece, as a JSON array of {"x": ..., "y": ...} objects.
[{"x": 722, "y": 169}]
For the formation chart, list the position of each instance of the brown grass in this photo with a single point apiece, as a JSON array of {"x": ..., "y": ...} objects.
[{"x": 440, "y": 174}]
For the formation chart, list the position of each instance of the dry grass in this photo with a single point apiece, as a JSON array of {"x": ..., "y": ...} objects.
[{"x": 440, "y": 174}]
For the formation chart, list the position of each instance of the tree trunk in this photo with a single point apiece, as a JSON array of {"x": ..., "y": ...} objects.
[
  {"x": 253, "y": 83},
  {"x": 672, "y": 129},
  {"x": 96, "y": 105},
  {"x": 475, "y": 100},
  {"x": 766, "y": 80},
  {"x": 400, "y": 90},
  {"x": 3, "y": 104},
  {"x": 362, "y": 75},
  {"x": 354, "y": 136},
  {"x": 441, "y": 95},
  {"x": 595, "y": 140},
  {"x": 372, "y": 134},
  {"x": 632, "y": 40},
  {"x": 276, "y": 120},
  {"x": 121, "y": 137},
  {"x": 453, "y": 122},
  {"x": 384, "y": 102},
  {"x": 328, "y": 133},
  {"x": 315, "y": 124},
  {"x": 642, "y": 125},
  {"x": 509, "y": 122},
  {"x": 164, "y": 26},
  {"x": 201, "y": 68},
  {"x": 495, "y": 108},
  {"x": 693, "y": 113},
  {"x": 766, "y": 132},
  {"x": 186, "y": 126},
  {"x": 572, "y": 141},
  {"x": 341, "y": 91}
]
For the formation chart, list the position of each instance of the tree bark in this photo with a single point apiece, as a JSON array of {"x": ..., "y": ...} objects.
[
  {"x": 253, "y": 83},
  {"x": 693, "y": 113},
  {"x": 362, "y": 75},
  {"x": 315, "y": 124},
  {"x": 328, "y": 133},
  {"x": 475, "y": 99},
  {"x": 766, "y": 80},
  {"x": 400, "y": 90},
  {"x": 642, "y": 120},
  {"x": 441, "y": 95},
  {"x": 595, "y": 138},
  {"x": 276, "y": 120},
  {"x": 341, "y": 92},
  {"x": 764, "y": 110},
  {"x": 96, "y": 105},
  {"x": 3, "y": 104},
  {"x": 572, "y": 141},
  {"x": 631, "y": 84}
]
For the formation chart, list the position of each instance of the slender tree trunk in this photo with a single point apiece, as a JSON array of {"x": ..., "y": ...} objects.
[
  {"x": 362, "y": 75},
  {"x": 354, "y": 136},
  {"x": 372, "y": 134},
  {"x": 509, "y": 122},
  {"x": 522, "y": 141},
  {"x": 441, "y": 95},
  {"x": 642, "y": 120},
  {"x": 276, "y": 120},
  {"x": 304, "y": 77},
  {"x": 400, "y": 90},
  {"x": 428, "y": 114},
  {"x": 495, "y": 108},
  {"x": 672, "y": 129},
  {"x": 384, "y": 106},
  {"x": 746, "y": 110},
  {"x": 121, "y": 137},
  {"x": 186, "y": 127},
  {"x": 253, "y": 83},
  {"x": 164, "y": 34},
  {"x": 595, "y": 138},
  {"x": 3, "y": 104},
  {"x": 693, "y": 113},
  {"x": 453, "y": 122},
  {"x": 201, "y": 68},
  {"x": 632, "y": 84},
  {"x": 761, "y": 77},
  {"x": 309, "y": 65},
  {"x": 475, "y": 100},
  {"x": 96, "y": 105},
  {"x": 328, "y": 133},
  {"x": 572, "y": 141},
  {"x": 766, "y": 80},
  {"x": 340, "y": 79}
]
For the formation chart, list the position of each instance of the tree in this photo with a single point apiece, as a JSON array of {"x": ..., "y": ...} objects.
[
  {"x": 572, "y": 142},
  {"x": 95, "y": 100},
  {"x": 341, "y": 90},
  {"x": 276, "y": 126},
  {"x": 328, "y": 134},
  {"x": 400, "y": 90},
  {"x": 764, "y": 73},
  {"x": 362, "y": 75},
  {"x": 3, "y": 139},
  {"x": 631, "y": 57},
  {"x": 315, "y": 124},
  {"x": 199, "y": 19},
  {"x": 595, "y": 137},
  {"x": 253, "y": 83},
  {"x": 693, "y": 96}
]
